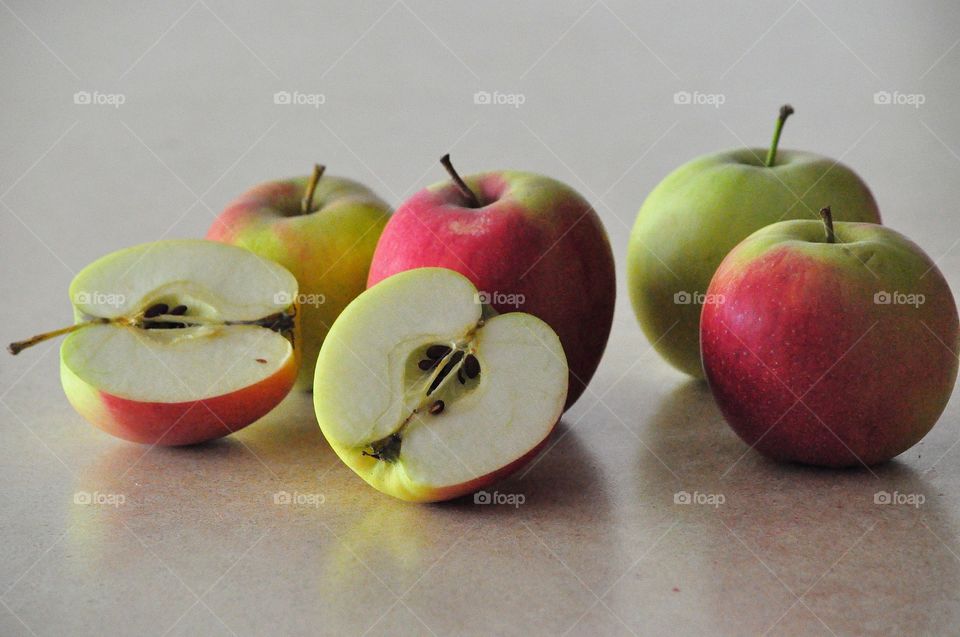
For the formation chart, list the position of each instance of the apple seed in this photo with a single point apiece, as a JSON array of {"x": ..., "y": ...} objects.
[
  {"x": 156, "y": 310},
  {"x": 436, "y": 408},
  {"x": 437, "y": 352},
  {"x": 471, "y": 366}
]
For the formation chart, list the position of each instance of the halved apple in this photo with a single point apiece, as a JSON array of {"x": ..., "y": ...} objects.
[
  {"x": 427, "y": 395},
  {"x": 178, "y": 341}
]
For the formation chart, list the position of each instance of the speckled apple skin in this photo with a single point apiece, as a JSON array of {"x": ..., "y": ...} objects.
[
  {"x": 806, "y": 367},
  {"x": 538, "y": 241}
]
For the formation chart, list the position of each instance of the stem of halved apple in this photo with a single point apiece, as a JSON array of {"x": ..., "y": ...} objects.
[
  {"x": 306, "y": 204},
  {"x": 19, "y": 346},
  {"x": 785, "y": 111},
  {"x": 827, "y": 217},
  {"x": 469, "y": 195}
]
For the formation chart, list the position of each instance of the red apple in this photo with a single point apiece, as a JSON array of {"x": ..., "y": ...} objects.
[
  {"x": 526, "y": 241},
  {"x": 832, "y": 347}
]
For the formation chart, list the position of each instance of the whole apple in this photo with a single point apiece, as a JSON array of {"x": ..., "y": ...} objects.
[
  {"x": 830, "y": 346},
  {"x": 324, "y": 230},
  {"x": 700, "y": 211},
  {"x": 527, "y": 242}
]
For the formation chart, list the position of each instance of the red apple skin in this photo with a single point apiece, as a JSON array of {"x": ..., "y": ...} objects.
[
  {"x": 535, "y": 238},
  {"x": 798, "y": 320},
  {"x": 177, "y": 424}
]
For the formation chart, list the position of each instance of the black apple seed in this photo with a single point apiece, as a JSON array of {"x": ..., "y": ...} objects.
[
  {"x": 156, "y": 310},
  {"x": 426, "y": 364},
  {"x": 180, "y": 310},
  {"x": 471, "y": 366},
  {"x": 460, "y": 377},
  {"x": 436, "y": 407},
  {"x": 437, "y": 351}
]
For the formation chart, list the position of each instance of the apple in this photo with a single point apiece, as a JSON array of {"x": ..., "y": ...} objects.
[
  {"x": 324, "y": 230},
  {"x": 831, "y": 346},
  {"x": 428, "y": 395},
  {"x": 178, "y": 341},
  {"x": 526, "y": 241},
  {"x": 700, "y": 211}
]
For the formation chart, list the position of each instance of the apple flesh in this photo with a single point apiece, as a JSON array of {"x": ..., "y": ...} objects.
[
  {"x": 177, "y": 342},
  {"x": 528, "y": 243},
  {"x": 830, "y": 353},
  {"x": 324, "y": 230},
  {"x": 700, "y": 211},
  {"x": 427, "y": 396}
]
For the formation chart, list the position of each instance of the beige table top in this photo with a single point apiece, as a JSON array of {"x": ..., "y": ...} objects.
[{"x": 199, "y": 545}]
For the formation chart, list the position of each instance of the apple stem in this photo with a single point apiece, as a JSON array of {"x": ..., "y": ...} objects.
[
  {"x": 827, "y": 217},
  {"x": 785, "y": 111},
  {"x": 464, "y": 189},
  {"x": 19, "y": 346},
  {"x": 306, "y": 204}
]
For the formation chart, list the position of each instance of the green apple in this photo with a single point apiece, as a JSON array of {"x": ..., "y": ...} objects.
[
  {"x": 324, "y": 230},
  {"x": 428, "y": 395},
  {"x": 700, "y": 211},
  {"x": 177, "y": 342}
]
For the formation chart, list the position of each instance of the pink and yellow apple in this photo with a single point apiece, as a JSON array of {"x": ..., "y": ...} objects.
[
  {"x": 526, "y": 241},
  {"x": 324, "y": 230},
  {"x": 832, "y": 346}
]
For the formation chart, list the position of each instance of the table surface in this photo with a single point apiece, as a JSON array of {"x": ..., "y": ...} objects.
[{"x": 182, "y": 118}]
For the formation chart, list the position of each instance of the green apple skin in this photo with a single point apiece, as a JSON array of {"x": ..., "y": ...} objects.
[
  {"x": 329, "y": 250},
  {"x": 803, "y": 319},
  {"x": 700, "y": 211}
]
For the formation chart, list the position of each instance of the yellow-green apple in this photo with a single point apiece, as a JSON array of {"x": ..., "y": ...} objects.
[
  {"x": 700, "y": 211},
  {"x": 179, "y": 341},
  {"x": 324, "y": 230},
  {"x": 830, "y": 346},
  {"x": 427, "y": 394},
  {"x": 526, "y": 241}
]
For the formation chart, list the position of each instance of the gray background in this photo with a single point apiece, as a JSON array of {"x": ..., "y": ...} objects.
[{"x": 599, "y": 547}]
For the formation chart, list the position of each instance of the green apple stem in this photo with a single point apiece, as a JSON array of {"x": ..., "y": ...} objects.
[
  {"x": 19, "y": 346},
  {"x": 306, "y": 204},
  {"x": 785, "y": 111},
  {"x": 464, "y": 189},
  {"x": 827, "y": 217}
]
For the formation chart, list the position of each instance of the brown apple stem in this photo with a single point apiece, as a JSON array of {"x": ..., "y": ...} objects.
[
  {"x": 464, "y": 189},
  {"x": 785, "y": 111},
  {"x": 306, "y": 204},
  {"x": 19, "y": 346},
  {"x": 827, "y": 217}
]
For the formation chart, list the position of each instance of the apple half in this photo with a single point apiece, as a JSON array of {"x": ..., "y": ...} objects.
[
  {"x": 429, "y": 395},
  {"x": 180, "y": 341}
]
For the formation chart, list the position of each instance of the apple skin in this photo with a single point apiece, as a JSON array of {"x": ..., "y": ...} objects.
[
  {"x": 175, "y": 424},
  {"x": 798, "y": 318},
  {"x": 536, "y": 239},
  {"x": 701, "y": 210},
  {"x": 328, "y": 251}
]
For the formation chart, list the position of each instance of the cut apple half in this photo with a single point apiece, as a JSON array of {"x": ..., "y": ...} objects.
[
  {"x": 427, "y": 396},
  {"x": 177, "y": 342}
]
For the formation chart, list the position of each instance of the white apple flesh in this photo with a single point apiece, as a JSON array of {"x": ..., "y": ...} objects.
[{"x": 426, "y": 397}]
